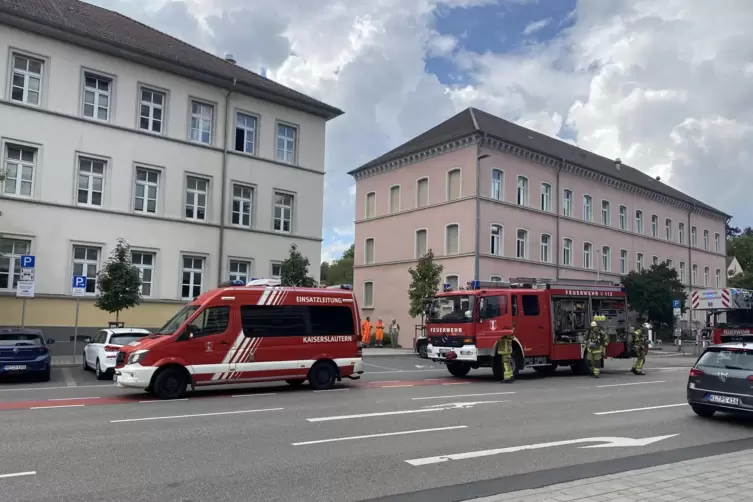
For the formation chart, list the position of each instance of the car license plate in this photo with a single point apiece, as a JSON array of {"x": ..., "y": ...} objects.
[
  {"x": 724, "y": 399},
  {"x": 15, "y": 367}
]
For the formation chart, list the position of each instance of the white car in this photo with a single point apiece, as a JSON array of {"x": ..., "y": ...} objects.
[{"x": 103, "y": 348}]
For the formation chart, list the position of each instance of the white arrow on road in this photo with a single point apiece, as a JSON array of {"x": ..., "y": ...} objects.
[
  {"x": 607, "y": 442},
  {"x": 425, "y": 409},
  {"x": 456, "y": 406}
]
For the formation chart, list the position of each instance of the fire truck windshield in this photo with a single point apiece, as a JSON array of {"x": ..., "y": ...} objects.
[
  {"x": 451, "y": 309},
  {"x": 177, "y": 320}
]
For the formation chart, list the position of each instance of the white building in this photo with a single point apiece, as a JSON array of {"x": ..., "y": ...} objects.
[{"x": 111, "y": 129}]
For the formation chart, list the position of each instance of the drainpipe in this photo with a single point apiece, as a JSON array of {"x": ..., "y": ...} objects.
[
  {"x": 476, "y": 251},
  {"x": 690, "y": 266},
  {"x": 558, "y": 208},
  {"x": 223, "y": 189}
]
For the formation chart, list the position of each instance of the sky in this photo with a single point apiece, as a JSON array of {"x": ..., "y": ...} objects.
[{"x": 665, "y": 85}]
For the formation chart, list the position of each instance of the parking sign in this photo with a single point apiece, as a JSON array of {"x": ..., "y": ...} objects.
[{"x": 79, "y": 285}]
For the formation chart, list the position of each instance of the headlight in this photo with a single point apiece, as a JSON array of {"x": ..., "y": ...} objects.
[{"x": 137, "y": 356}]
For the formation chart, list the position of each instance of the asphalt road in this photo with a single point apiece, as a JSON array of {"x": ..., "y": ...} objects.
[{"x": 406, "y": 427}]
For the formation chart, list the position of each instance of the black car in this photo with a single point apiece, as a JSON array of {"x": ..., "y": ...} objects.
[
  {"x": 24, "y": 352},
  {"x": 722, "y": 379}
]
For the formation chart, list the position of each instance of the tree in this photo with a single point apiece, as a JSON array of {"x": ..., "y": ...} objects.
[
  {"x": 733, "y": 231},
  {"x": 741, "y": 247},
  {"x": 350, "y": 253},
  {"x": 651, "y": 291},
  {"x": 426, "y": 279},
  {"x": 295, "y": 270},
  {"x": 119, "y": 282},
  {"x": 324, "y": 272}
]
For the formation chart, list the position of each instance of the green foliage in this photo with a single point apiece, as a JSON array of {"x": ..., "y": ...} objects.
[
  {"x": 350, "y": 253},
  {"x": 339, "y": 271},
  {"x": 295, "y": 270},
  {"x": 119, "y": 282},
  {"x": 651, "y": 292},
  {"x": 426, "y": 279},
  {"x": 740, "y": 245},
  {"x": 324, "y": 272}
]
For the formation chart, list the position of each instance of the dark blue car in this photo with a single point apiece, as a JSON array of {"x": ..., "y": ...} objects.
[{"x": 24, "y": 352}]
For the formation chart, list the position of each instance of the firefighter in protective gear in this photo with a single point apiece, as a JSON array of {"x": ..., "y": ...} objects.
[
  {"x": 639, "y": 344},
  {"x": 379, "y": 333},
  {"x": 366, "y": 331},
  {"x": 504, "y": 351},
  {"x": 596, "y": 344}
]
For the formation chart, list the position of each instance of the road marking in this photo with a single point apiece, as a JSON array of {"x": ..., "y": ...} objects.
[
  {"x": 641, "y": 409},
  {"x": 331, "y": 390},
  {"x": 462, "y": 395},
  {"x": 68, "y": 376},
  {"x": 631, "y": 383},
  {"x": 427, "y": 409},
  {"x": 456, "y": 383},
  {"x": 146, "y": 401},
  {"x": 255, "y": 395},
  {"x": 193, "y": 415},
  {"x": 18, "y": 474},
  {"x": 396, "y": 386},
  {"x": 72, "y": 398},
  {"x": 367, "y": 436},
  {"x": 387, "y": 381},
  {"x": 380, "y": 367},
  {"x": 53, "y": 388},
  {"x": 58, "y": 406}
]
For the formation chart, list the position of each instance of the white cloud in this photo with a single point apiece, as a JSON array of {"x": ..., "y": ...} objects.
[
  {"x": 537, "y": 26},
  {"x": 334, "y": 250}
]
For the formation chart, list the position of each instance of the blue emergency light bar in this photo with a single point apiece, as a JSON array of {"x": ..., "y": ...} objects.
[{"x": 347, "y": 287}]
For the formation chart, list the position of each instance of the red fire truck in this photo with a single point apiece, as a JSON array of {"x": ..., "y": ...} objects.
[
  {"x": 736, "y": 305},
  {"x": 547, "y": 317}
]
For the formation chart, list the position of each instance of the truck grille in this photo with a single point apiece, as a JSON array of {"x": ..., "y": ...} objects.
[
  {"x": 450, "y": 342},
  {"x": 120, "y": 359}
]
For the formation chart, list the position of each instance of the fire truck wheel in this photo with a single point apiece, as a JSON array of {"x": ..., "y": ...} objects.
[
  {"x": 458, "y": 369},
  {"x": 171, "y": 383},
  {"x": 323, "y": 375},
  {"x": 423, "y": 351}
]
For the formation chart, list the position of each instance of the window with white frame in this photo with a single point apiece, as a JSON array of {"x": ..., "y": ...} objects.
[
  {"x": 588, "y": 255},
  {"x": 287, "y": 136},
  {"x": 567, "y": 252},
  {"x": 275, "y": 269},
  {"x": 495, "y": 278},
  {"x": 567, "y": 202},
  {"x": 245, "y": 132},
  {"x": 370, "y": 208},
  {"x": 202, "y": 122},
  {"x": 623, "y": 218},
  {"x": 368, "y": 251},
  {"x": 496, "y": 244},
  {"x": 623, "y": 261},
  {"x": 694, "y": 277},
  {"x": 706, "y": 276},
  {"x": 588, "y": 208},
  {"x": 97, "y": 96},
  {"x": 717, "y": 243},
  {"x": 606, "y": 213},
  {"x": 668, "y": 229},
  {"x": 86, "y": 263},
  {"x": 283, "y": 219},
  {"x": 368, "y": 294},
  {"x": 638, "y": 221},
  {"x": 453, "y": 184},
  {"x": 243, "y": 201},
  {"x": 522, "y": 191},
  {"x": 498, "y": 184},
  {"x": 192, "y": 279},
  {"x": 669, "y": 263},
  {"x": 546, "y": 197},
  {"x": 682, "y": 272},
  {"x": 639, "y": 262},
  {"x": 239, "y": 270},
  {"x": 706, "y": 240},
  {"x": 26, "y": 84},
  {"x": 146, "y": 190},
  {"x": 197, "y": 192},
  {"x": 654, "y": 260},
  {"x": 11, "y": 251},
  {"x": 422, "y": 192},
  {"x": 681, "y": 232},
  {"x": 91, "y": 181},
  {"x": 718, "y": 278},
  {"x": 453, "y": 281},
  {"x": 20, "y": 168},
  {"x": 144, "y": 261},
  {"x": 545, "y": 248},
  {"x": 151, "y": 110},
  {"x": 654, "y": 226},
  {"x": 422, "y": 243},
  {"x": 694, "y": 237},
  {"x": 521, "y": 244},
  {"x": 452, "y": 239},
  {"x": 606, "y": 258},
  {"x": 394, "y": 199}
]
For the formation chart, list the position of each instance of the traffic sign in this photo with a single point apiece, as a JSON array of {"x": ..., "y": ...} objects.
[
  {"x": 677, "y": 312},
  {"x": 27, "y": 274},
  {"x": 79, "y": 285},
  {"x": 25, "y": 289},
  {"x": 28, "y": 261},
  {"x": 675, "y": 304}
]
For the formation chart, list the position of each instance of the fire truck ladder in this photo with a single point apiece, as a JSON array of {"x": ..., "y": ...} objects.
[{"x": 544, "y": 283}]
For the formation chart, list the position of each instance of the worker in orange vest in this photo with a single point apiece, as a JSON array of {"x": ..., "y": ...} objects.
[
  {"x": 366, "y": 331},
  {"x": 379, "y": 332}
]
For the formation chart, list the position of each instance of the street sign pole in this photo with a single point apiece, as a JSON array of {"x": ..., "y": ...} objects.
[
  {"x": 23, "y": 313},
  {"x": 78, "y": 286},
  {"x": 75, "y": 328},
  {"x": 25, "y": 286}
]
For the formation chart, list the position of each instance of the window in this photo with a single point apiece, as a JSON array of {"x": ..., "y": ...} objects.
[
  {"x": 151, "y": 110},
  {"x": 681, "y": 232},
  {"x": 243, "y": 200},
  {"x": 706, "y": 276},
  {"x": 197, "y": 190},
  {"x": 693, "y": 237},
  {"x": 202, "y": 119},
  {"x": 522, "y": 197},
  {"x": 370, "y": 210},
  {"x": 498, "y": 184},
  {"x": 496, "y": 247},
  {"x": 606, "y": 258},
  {"x": 394, "y": 199},
  {"x": 97, "y": 91},
  {"x": 245, "y": 133},
  {"x": 422, "y": 192},
  {"x": 623, "y": 218},
  {"x": 26, "y": 86},
  {"x": 639, "y": 222},
  {"x": 287, "y": 136},
  {"x": 146, "y": 190},
  {"x": 495, "y": 278},
  {"x": 717, "y": 243},
  {"x": 639, "y": 262},
  {"x": 530, "y": 305},
  {"x": 587, "y": 255},
  {"x": 546, "y": 197},
  {"x": 453, "y": 281},
  {"x": 145, "y": 263},
  {"x": 452, "y": 242},
  {"x": 567, "y": 252},
  {"x": 453, "y": 184},
  {"x": 670, "y": 263},
  {"x": 545, "y": 248},
  {"x": 368, "y": 251},
  {"x": 276, "y": 267},
  {"x": 277, "y": 321},
  {"x": 422, "y": 241},
  {"x": 11, "y": 251},
  {"x": 682, "y": 272},
  {"x": 86, "y": 263},
  {"x": 20, "y": 164},
  {"x": 91, "y": 181},
  {"x": 283, "y": 220},
  {"x": 368, "y": 294},
  {"x": 211, "y": 321},
  {"x": 654, "y": 226},
  {"x": 606, "y": 213},
  {"x": 694, "y": 277},
  {"x": 521, "y": 244},
  {"x": 623, "y": 261},
  {"x": 718, "y": 278},
  {"x": 706, "y": 240},
  {"x": 588, "y": 210},
  {"x": 193, "y": 277},
  {"x": 240, "y": 270},
  {"x": 654, "y": 260},
  {"x": 567, "y": 202}
]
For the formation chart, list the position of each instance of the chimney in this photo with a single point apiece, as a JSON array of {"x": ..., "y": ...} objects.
[
  {"x": 229, "y": 58},
  {"x": 658, "y": 178},
  {"x": 617, "y": 163}
]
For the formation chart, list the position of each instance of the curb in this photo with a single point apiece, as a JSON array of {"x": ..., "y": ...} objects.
[{"x": 410, "y": 354}]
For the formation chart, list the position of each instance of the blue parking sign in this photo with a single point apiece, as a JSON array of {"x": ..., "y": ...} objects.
[
  {"x": 79, "y": 282},
  {"x": 675, "y": 304},
  {"x": 28, "y": 261}
]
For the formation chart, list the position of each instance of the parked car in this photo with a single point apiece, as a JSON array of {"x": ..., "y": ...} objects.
[
  {"x": 722, "y": 380},
  {"x": 103, "y": 348},
  {"x": 24, "y": 352}
]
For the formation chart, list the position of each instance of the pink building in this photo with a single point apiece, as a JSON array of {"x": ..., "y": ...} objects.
[{"x": 494, "y": 200}]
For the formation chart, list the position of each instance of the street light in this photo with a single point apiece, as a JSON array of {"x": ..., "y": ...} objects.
[{"x": 479, "y": 158}]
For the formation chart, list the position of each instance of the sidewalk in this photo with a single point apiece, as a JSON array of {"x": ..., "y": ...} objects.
[{"x": 721, "y": 478}]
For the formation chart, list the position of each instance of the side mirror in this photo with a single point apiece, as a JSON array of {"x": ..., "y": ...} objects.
[
  {"x": 50, "y": 341},
  {"x": 88, "y": 339}
]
